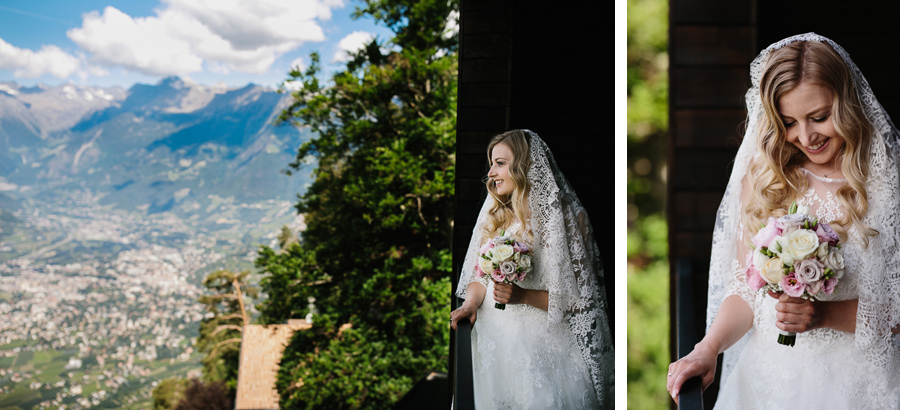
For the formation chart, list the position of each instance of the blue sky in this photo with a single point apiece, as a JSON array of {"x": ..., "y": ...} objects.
[{"x": 116, "y": 42}]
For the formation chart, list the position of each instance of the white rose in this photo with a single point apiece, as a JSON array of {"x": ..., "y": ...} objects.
[
  {"x": 486, "y": 265},
  {"x": 772, "y": 271},
  {"x": 835, "y": 261},
  {"x": 802, "y": 209},
  {"x": 780, "y": 248},
  {"x": 822, "y": 251},
  {"x": 501, "y": 253},
  {"x": 525, "y": 261},
  {"x": 760, "y": 260},
  {"x": 798, "y": 245}
]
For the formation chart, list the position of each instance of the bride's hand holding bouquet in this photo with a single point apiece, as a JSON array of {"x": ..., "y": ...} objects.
[{"x": 796, "y": 259}]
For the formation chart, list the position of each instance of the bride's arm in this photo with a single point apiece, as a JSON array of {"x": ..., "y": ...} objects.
[
  {"x": 474, "y": 296},
  {"x": 733, "y": 321}
]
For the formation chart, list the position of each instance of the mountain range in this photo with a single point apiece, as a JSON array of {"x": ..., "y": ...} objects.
[{"x": 150, "y": 148}]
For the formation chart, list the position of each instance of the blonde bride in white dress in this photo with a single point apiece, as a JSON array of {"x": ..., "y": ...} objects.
[
  {"x": 815, "y": 135},
  {"x": 551, "y": 346}
]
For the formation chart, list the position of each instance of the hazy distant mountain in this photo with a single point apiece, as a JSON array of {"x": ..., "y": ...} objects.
[
  {"x": 153, "y": 148},
  {"x": 114, "y": 205}
]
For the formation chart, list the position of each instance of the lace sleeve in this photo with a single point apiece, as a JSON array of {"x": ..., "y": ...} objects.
[
  {"x": 467, "y": 275},
  {"x": 737, "y": 284}
]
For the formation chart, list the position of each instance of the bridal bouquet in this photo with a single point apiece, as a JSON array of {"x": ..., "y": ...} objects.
[
  {"x": 505, "y": 260},
  {"x": 797, "y": 255}
]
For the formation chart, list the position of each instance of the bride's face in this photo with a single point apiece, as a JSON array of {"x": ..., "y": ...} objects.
[
  {"x": 806, "y": 112},
  {"x": 501, "y": 157}
]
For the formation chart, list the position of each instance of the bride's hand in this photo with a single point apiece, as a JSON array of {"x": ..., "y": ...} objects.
[
  {"x": 795, "y": 314},
  {"x": 464, "y": 311},
  {"x": 508, "y": 293},
  {"x": 700, "y": 362}
]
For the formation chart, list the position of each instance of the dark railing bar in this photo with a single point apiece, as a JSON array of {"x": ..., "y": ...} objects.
[
  {"x": 463, "y": 386},
  {"x": 691, "y": 395}
]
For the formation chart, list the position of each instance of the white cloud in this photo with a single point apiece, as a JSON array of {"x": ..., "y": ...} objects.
[
  {"x": 143, "y": 44},
  {"x": 292, "y": 85},
  {"x": 351, "y": 43},
  {"x": 225, "y": 35},
  {"x": 299, "y": 64},
  {"x": 26, "y": 63}
]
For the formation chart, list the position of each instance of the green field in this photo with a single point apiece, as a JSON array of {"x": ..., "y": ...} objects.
[{"x": 48, "y": 367}]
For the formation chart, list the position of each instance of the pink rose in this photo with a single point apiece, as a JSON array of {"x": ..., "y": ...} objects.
[
  {"x": 829, "y": 285},
  {"x": 814, "y": 288},
  {"x": 809, "y": 271},
  {"x": 520, "y": 247},
  {"x": 478, "y": 271},
  {"x": 520, "y": 276},
  {"x": 508, "y": 269},
  {"x": 754, "y": 279},
  {"x": 486, "y": 247},
  {"x": 765, "y": 235},
  {"x": 497, "y": 275},
  {"x": 792, "y": 287},
  {"x": 826, "y": 234}
]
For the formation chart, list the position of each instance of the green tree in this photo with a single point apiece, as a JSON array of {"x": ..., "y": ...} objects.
[
  {"x": 376, "y": 250},
  {"x": 205, "y": 396},
  {"x": 220, "y": 335},
  {"x": 648, "y": 268},
  {"x": 168, "y": 393}
]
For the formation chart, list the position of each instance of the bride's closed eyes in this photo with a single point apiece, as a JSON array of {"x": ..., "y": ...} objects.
[{"x": 791, "y": 123}]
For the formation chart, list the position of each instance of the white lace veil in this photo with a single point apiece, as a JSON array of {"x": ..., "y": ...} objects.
[
  {"x": 879, "y": 270},
  {"x": 567, "y": 264}
]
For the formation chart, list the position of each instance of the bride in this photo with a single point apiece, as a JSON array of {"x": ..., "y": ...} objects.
[
  {"x": 551, "y": 347},
  {"x": 815, "y": 135}
]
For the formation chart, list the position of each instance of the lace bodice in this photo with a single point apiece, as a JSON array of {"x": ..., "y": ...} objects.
[{"x": 824, "y": 205}]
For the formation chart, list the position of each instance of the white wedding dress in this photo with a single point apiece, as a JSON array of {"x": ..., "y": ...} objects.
[
  {"x": 521, "y": 362},
  {"x": 823, "y": 370}
]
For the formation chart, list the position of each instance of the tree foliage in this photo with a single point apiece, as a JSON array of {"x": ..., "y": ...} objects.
[
  {"x": 205, "y": 396},
  {"x": 220, "y": 334},
  {"x": 168, "y": 393},
  {"x": 376, "y": 250},
  {"x": 648, "y": 269}
]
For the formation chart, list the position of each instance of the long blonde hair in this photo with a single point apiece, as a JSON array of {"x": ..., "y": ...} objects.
[
  {"x": 775, "y": 176},
  {"x": 505, "y": 209}
]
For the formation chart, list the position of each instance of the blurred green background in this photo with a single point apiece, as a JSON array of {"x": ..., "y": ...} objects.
[{"x": 648, "y": 267}]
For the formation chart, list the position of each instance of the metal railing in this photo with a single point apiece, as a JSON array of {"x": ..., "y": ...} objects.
[
  {"x": 463, "y": 387},
  {"x": 691, "y": 395}
]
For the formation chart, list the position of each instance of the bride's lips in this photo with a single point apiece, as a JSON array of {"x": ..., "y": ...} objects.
[{"x": 820, "y": 149}]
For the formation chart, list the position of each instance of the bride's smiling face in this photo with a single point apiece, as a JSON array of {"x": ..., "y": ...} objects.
[
  {"x": 501, "y": 158},
  {"x": 806, "y": 112}
]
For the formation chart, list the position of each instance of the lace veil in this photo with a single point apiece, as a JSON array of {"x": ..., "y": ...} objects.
[
  {"x": 566, "y": 263},
  {"x": 879, "y": 270}
]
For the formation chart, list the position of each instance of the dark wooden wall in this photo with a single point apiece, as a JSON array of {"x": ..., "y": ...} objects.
[{"x": 711, "y": 45}]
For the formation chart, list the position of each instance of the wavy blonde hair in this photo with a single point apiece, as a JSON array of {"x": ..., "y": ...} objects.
[
  {"x": 505, "y": 209},
  {"x": 775, "y": 176}
]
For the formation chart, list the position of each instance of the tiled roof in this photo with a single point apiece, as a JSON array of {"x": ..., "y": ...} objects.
[{"x": 261, "y": 348}]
